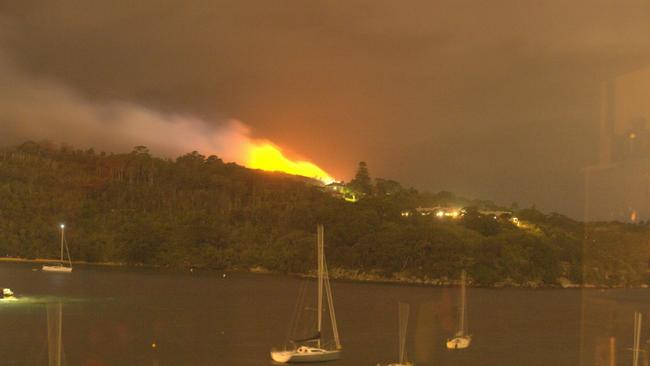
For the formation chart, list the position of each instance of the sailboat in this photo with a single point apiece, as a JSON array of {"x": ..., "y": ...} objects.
[
  {"x": 461, "y": 339},
  {"x": 314, "y": 349},
  {"x": 403, "y": 315},
  {"x": 60, "y": 266}
]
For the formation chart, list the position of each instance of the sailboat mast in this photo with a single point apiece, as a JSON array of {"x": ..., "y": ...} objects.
[
  {"x": 67, "y": 251},
  {"x": 320, "y": 280},
  {"x": 330, "y": 302},
  {"x": 62, "y": 229},
  {"x": 463, "y": 290}
]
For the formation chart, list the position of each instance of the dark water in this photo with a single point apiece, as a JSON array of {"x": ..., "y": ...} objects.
[{"x": 114, "y": 316}]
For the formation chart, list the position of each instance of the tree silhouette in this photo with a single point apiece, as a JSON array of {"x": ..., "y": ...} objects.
[{"x": 362, "y": 182}]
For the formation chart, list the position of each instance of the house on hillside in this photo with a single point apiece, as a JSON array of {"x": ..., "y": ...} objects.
[{"x": 341, "y": 190}]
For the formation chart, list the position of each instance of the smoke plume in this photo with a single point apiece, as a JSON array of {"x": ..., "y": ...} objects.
[{"x": 38, "y": 108}]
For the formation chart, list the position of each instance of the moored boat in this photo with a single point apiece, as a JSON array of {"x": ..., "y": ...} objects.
[
  {"x": 314, "y": 348},
  {"x": 461, "y": 339},
  {"x": 60, "y": 266}
]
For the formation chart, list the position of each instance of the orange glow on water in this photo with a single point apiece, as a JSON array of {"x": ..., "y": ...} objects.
[{"x": 266, "y": 156}]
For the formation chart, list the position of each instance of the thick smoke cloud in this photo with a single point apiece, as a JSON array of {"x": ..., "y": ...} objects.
[
  {"x": 498, "y": 100},
  {"x": 36, "y": 108}
]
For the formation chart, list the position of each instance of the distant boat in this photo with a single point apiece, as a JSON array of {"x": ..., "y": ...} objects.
[
  {"x": 60, "y": 266},
  {"x": 313, "y": 348},
  {"x": 7, "y": 294},
  {"x": 403, "y": 316},
  {"x": 461, "y": 339}
]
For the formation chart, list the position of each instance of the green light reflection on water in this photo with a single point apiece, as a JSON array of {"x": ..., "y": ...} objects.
[{"x": 34, "y": 301}]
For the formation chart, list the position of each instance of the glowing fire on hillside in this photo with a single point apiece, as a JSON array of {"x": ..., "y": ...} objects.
[{"x": 264, "y": 155}]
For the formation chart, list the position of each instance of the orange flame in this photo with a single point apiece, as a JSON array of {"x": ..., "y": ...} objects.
[{"x": 266, "y": 156}]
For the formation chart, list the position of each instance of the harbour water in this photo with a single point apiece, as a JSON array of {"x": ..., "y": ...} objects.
[{"x": 124, "y": 316}]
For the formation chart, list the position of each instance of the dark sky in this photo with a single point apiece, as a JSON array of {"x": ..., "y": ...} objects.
[{"x": 489, "y": 99}]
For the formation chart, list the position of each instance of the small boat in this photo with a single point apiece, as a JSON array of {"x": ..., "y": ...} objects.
[
  {"x": 7, "y": 294},
  {"x": 60, "y": 266},
  {"x": 305, "y": 354},
  {"x": 403, "y": 315},
  {"x": 313, "y": 348},
  {"x": 461, "y": 339},
  {"x": 56, "y": 267}
]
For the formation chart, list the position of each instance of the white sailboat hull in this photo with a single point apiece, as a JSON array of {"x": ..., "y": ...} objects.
[
  {"x": 61, "y": 269},
  {"x": 305, "y": 356},
  {"x": 459, "y": 342}
]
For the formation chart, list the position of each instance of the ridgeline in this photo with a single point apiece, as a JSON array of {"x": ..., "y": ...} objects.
[{"x": 199, "y": 211}]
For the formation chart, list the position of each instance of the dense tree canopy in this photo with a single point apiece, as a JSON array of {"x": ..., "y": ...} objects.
[{"x": 199, "y": 211}]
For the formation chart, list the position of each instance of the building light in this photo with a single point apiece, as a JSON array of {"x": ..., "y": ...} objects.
[{"x": 351, "y": 198}]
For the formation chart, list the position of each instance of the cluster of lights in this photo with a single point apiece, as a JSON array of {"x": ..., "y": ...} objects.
[
  {"x": 455, "y": 214},
  {"x": 451, "y": 214},
  {"x": 439, "y": 213}
]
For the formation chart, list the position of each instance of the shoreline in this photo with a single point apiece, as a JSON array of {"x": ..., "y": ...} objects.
[
  {"x": 45, "y": 260},
  {"x": 342, "y": 275}
]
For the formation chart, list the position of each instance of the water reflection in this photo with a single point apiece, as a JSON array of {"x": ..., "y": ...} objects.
[
  {"x": 56, "y": 355},
  {"x": 125, "y": 325}
]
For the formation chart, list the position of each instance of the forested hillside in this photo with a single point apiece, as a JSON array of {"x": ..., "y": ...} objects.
[{"x": 199, "y": 211}]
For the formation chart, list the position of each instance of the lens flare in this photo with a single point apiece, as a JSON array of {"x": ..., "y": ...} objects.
[{"x": 266, "y": 156}]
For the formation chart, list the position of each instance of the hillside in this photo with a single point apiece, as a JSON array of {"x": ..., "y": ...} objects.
[{"x": 199, "y": 211}]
